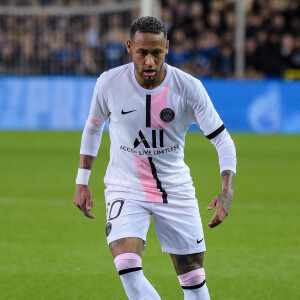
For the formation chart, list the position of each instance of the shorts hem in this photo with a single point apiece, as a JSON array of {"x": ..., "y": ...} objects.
[{"x": 183, "y": 251}]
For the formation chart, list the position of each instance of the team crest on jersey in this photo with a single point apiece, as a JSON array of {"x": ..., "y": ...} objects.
[
  {"x": 108, "y": 228},
  {"x": 167, "y": 115}
]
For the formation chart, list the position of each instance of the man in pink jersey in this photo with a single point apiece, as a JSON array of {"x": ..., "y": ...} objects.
[{"x": 150, "y": 106}]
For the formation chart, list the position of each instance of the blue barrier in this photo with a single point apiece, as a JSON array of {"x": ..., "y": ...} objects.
[
  {"x": 62, "y": 103},
  {"x": 266, "y": 106}
]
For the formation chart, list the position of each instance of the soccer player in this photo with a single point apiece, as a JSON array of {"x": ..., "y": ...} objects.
[{"x": 150, "y": 106}]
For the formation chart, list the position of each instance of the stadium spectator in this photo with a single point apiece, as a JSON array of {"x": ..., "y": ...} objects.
[
  {"x": 270, "y": 60},
  {"x": 8, "y": 55},
  {"x": 168, "y": 18},
  {"x": 214, "y": 23},
  {"x": 114, "y": 40},
  {"x": 225, "y": 61},
  {"x": 295, "y": 56},
  {"x": 229, "y": 20},
  {"x": 92, "y": 33},
  {"x": 179, "y": 55},
  {"x": 286, "y": 50},
  {"x": 26, "y": 53},
  {"x": 252, "y": 58},
  {"x": 206, "y": 55},
  {"x": 87, "y": 65}
]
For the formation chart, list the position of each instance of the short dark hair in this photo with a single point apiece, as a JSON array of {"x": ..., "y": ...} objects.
[{"x": 149, "y": 25}]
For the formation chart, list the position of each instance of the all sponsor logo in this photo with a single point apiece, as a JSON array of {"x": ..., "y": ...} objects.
[
  {"x": 143, "y": 140},
  {"x": 155, "y": 141}
]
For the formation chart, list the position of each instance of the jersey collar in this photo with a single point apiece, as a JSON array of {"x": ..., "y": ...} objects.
[{"x": 156, "y": 90}]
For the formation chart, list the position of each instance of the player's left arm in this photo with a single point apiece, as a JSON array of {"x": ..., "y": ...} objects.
[
  {"x": 223, "y": 200},
  {"x": 213, "y": 128},
  {"x": 227, "y": 161}
]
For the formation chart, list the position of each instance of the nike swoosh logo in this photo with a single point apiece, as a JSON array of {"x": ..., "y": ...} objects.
[
  {"x": 198, "y": 242},
  {"x": 127, "y": 112}
]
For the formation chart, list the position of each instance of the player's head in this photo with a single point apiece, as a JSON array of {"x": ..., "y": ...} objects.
[
  {"x": 148, "y": 25},
  {"x": 148, "y": 45}
]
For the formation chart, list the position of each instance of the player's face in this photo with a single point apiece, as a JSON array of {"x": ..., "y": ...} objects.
[{"x": 148, "y": 53}]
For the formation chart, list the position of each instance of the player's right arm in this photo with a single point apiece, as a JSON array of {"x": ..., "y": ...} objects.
[
  {"x": 83, "y": 194},
  {"x": 90, "y": 143}
]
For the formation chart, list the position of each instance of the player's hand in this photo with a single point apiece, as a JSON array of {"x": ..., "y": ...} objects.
[
  {"x": 83, "y": 199},
  {"x": 222, "y": 203}
]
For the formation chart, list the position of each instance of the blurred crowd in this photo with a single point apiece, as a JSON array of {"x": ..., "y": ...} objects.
[{"x": 201, "y": 35}]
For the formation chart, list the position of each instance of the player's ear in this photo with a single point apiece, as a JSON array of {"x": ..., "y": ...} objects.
[
  {"x": 129, "y": 47},
  {"x": 167, "y": 47}
]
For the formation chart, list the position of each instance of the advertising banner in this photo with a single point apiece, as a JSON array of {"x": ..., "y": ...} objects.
[{"x": 62, "y": 103}]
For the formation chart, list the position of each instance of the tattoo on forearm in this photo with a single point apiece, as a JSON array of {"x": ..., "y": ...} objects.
[
  {"x": 227, "y": 179},
  {"x": 225, "y": 174},
  {"x": 227, "y": 193},
  {"x": 86, "y": 162}
]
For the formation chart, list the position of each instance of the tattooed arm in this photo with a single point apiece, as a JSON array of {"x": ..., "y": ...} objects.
[
  {"x": 86, "y": 161},
  {"x": 223, "y": 200},
  {"x": 83, "y": 194}
]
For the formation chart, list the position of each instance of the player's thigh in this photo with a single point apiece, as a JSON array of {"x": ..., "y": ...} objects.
[
  {"x": 179, "y": 229},
  {"x": 126, "y": 245},
  {"x": 127, "y": 224},
  {"x": 186, "y": 263}
]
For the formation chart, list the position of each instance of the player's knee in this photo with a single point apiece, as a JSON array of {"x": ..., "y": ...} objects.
[
  {"x": 193, "y": 279},
  {"x": 127, "y": 263}
]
